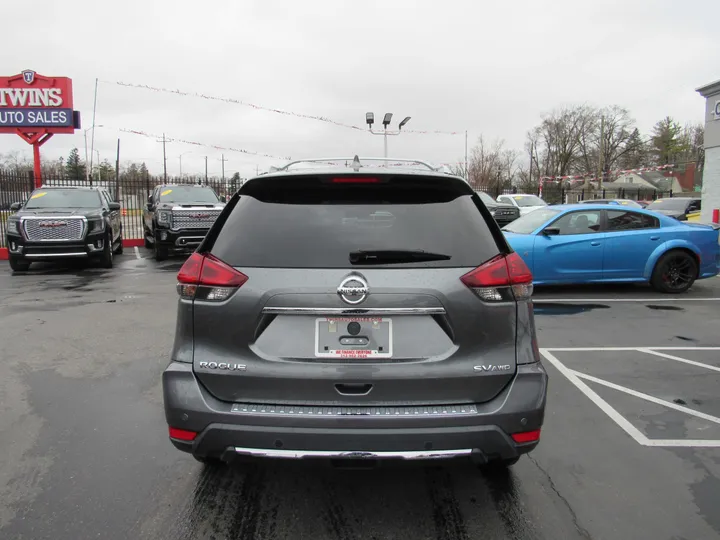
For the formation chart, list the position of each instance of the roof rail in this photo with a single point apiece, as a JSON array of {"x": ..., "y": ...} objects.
[{"x": 356, "y": 164}]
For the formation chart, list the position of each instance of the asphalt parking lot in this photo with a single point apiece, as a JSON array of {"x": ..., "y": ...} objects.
[{"x": 630, "y": 448}]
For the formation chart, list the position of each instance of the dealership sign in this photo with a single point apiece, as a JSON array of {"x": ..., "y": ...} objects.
[
  {"x": 30, "y": 103},
  {"x": 37, "y": 107}
]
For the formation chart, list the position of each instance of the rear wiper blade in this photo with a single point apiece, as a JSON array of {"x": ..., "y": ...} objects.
[{"x": 391, "y": 256}]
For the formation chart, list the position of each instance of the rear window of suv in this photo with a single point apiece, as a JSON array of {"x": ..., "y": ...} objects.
[{"x": 309, "y": 225}]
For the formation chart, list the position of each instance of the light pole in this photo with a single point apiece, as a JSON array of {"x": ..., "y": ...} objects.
[
  {"x": 222, "y": 158},
  {"x": 87, "y": 163},
  {"x": 164, "y": 140},
  {"x": 180, "y": 158},
  {"x": 370, "y": 119}
]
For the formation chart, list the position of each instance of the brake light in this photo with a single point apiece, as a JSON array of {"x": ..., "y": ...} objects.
[
  {"x": 353, "y": 180},
  {"x": 492, "y": 280},
  {"x": 526, "y": 436},
  {"x": 182, "y": 434},
  {"x": 205, "y": 277}
]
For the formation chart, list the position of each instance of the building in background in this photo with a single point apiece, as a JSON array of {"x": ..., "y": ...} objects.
[{"x": 711, "y": 170}]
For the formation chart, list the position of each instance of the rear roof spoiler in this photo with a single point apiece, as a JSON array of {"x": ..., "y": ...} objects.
[{"x": 356, "y": 164}]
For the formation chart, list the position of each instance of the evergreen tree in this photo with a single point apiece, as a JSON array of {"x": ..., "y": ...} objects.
[
  {"x": 235, "y": 182},
  {"x": 74, "y": 166},
  {"x": 668, "y": 142},
  {"x": 634, "y": 153}
]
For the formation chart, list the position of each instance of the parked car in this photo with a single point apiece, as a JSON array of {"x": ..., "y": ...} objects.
[
  {"x": 682, "y": 208},
  {"x": 178, "y": 216},
  {"x": 333, "y": 313},
  {"x": 59, "y": 223},
  {"x": 594, "y": 244},
  {"x": 503, "y": 213},
  {"x": 620, "y": 202},
  {"x": 524, "y": 202}
]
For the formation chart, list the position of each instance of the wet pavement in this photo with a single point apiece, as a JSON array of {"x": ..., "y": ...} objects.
[{"x": 630, "y": 449}]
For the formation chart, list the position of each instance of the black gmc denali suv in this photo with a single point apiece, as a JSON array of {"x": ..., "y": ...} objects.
[
  {"x": 57, "y": 223},
  {"x": 178, "y": 216}
]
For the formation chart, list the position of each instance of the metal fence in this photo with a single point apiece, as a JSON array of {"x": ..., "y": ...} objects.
[
  {"x": 557, "y": 194},
  {"x": 132, "y": 190}
]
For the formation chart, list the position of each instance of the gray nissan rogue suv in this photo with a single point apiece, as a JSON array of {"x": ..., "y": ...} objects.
[{"x": 355, "y": 312}]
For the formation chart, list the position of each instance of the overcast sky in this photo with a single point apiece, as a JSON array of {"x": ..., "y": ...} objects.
[{"x": 486, "y": 67}]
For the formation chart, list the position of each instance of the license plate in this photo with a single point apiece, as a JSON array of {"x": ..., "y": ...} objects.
[{"x": 353, "y": 337}]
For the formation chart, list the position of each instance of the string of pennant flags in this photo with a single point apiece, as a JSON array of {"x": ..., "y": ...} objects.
[
  {"x": 196, "y": 143},
  {"x": 593, "y": 176},
  {"x": 268, "y": 109},
  {"x": 233, "y": 149}
]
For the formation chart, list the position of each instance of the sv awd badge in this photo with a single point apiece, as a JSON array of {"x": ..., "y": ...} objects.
[
  {"x": 493, "y": 367},
  {"x": 223, "y": 365}
]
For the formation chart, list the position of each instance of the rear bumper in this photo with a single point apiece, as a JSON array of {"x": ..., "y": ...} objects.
[{"x": 482, "y": 436}]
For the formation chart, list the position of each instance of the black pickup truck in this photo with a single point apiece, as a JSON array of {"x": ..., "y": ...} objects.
[
  {"x": 503, "y": 213},
  {"x": 58, "y": 223},
  {"x": 178, "y": 216}
]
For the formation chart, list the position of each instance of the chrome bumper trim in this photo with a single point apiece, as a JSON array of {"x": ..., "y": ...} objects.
[
  {"x": 424, "y": 411},
  {"x": 353, "y": 311},
  {"x": 337, "y": 454},
  {"x": 189, "y": 241},
  {"x": 43, "y": 255}
]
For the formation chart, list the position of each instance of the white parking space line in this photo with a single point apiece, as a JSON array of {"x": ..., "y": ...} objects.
[
  {"x": 658, "y": 300},
  {"x": 613, "y": 349},
  {"x": 137, "y": 253},
  {"x": 678, "y": 359},
  {"x": 576, "y": 378},
  {"x": 646, "y": 397},
  {"x": 619, "y": 419}
]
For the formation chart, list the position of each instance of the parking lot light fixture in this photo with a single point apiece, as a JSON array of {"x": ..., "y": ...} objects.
[{"x": 387, "y": 119}]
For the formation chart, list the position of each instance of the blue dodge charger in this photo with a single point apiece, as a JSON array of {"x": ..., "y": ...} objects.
[{"x": 597, "y": 243}]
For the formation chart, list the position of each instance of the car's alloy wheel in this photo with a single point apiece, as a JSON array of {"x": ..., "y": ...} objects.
[{"x": 675, "y": 272}]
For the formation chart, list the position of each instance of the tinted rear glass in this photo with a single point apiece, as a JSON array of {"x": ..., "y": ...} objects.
[{"x": 319, "y": 228}]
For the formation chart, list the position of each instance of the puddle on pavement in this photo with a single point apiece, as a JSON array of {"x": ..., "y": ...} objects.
[
  {"x": 558, "y": 308},
  {"x": 664, "y": 308}
]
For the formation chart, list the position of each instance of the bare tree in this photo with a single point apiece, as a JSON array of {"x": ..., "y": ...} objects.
[
  {"x": 491, "y": 165},
  {"x": 559, "y": 139}
]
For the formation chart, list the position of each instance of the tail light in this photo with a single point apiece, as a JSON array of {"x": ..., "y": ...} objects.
[
  {"x": 502, "y": 279},
  {"x": 181, "y": 434},
  {"x": 356, "y": 180},
  {"x": 204, "y": 277},
  {"x": 526, "y": 436}
]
